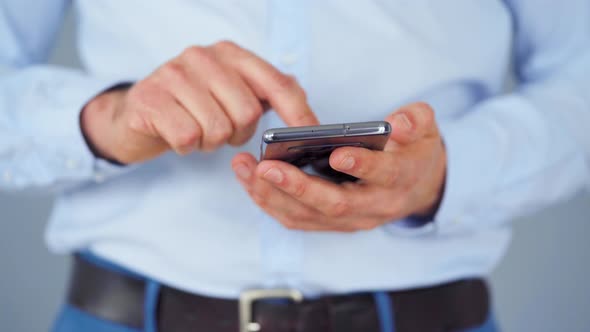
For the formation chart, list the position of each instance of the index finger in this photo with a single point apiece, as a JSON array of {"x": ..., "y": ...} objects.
[
  {"x": 332, "y": 200},
  {"x": 283, "y": 92}
]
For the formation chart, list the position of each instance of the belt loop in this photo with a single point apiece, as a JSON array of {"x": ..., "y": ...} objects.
[
  {"x": 152, "y": 294},
  {"x": 384, "y": 311}
]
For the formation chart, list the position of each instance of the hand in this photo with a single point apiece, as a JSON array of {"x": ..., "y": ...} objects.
[
  {"x": 405, "y": 179},
  {"x": 202, "y": 99}
]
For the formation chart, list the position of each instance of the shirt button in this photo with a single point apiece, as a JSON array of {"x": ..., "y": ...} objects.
[
  {"x": 71, "y": 164},
  {"x": 289, "y": 59}
]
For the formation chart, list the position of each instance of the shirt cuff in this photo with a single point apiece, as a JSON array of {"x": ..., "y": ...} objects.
[
  {"x": 69, "y": 157},
  {"x": 461, "y": 155},
  {"x": 473, "y": 147}
]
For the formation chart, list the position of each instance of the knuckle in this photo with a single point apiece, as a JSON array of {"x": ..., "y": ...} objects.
[
  {"x": 426, "y": 113},
  {"x": 249, "y": 116},
  {"x": 361, "y": 168},
  {"x": 226, "y": 46},
  {"x": 422, "y": 105},
  {"x": 194, "y": 52},
  {"x": 220, "y": 135},
  {"x": 260, "y": 199},
  {"x": 136, "y": 123},
  {"x": 187, "y": 139},
  {"x": 429, "y": 119},
  {"x": 146, "y": 95},
  {"x": 200, "y": 57},
  {"x": 173, "y": 72},
  {"x": 286, "y": 82},
  {"x": 137, "y": 98},
  {"x": 339, "y": 208},
  {"x": 218, "y": 132},
  {"x": 299, "y": 189}
]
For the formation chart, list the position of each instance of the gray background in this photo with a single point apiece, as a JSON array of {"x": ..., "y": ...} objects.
[{"x": 540, "y": 286}]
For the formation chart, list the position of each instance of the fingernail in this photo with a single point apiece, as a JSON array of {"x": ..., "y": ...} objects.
[
  {"x": 243, "y": 172},
  {"x": 403, "y": 122},
  {"x": 347, "y": 163},
  {"x": 274, "y": 175}
]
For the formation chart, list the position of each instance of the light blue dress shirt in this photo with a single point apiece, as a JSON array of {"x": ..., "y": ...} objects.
[{"x": 187, "y": 222}]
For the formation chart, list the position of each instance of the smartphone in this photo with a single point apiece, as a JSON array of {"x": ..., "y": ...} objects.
[{"x": 310, "y": 147}]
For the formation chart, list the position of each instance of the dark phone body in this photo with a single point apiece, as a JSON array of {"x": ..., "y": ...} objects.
[{"x": 312, "y": 146}]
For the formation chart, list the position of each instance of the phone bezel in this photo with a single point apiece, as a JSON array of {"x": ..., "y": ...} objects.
[{"x": 371, "y": 134}]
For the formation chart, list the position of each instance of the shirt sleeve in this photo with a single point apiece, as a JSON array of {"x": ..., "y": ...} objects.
[
  {"x": 518, "y": 152},
  {"x": 41, "y": 144}
]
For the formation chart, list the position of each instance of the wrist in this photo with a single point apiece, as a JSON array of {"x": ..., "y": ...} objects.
[
  {"x": 435, "y": 195},
  {"x": 97, "y": 124}
]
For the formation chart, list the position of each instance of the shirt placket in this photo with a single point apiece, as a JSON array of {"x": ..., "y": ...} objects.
[{"x": 288, "y": 30}]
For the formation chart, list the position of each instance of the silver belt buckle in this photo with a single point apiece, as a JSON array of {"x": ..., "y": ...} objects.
[{"x": 248, "y": 297}]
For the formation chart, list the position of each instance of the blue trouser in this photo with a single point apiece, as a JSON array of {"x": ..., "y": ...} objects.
[{"x": 71, "y": 319}]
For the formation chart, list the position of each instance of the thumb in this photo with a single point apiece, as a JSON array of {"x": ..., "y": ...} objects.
[{"x": 411, "y": 123}]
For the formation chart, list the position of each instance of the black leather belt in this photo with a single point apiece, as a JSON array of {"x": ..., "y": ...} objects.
[{"x": 119, "y": 298}]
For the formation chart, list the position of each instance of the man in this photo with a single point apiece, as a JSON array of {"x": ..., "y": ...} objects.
[{"x": 177, "y": 227}]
